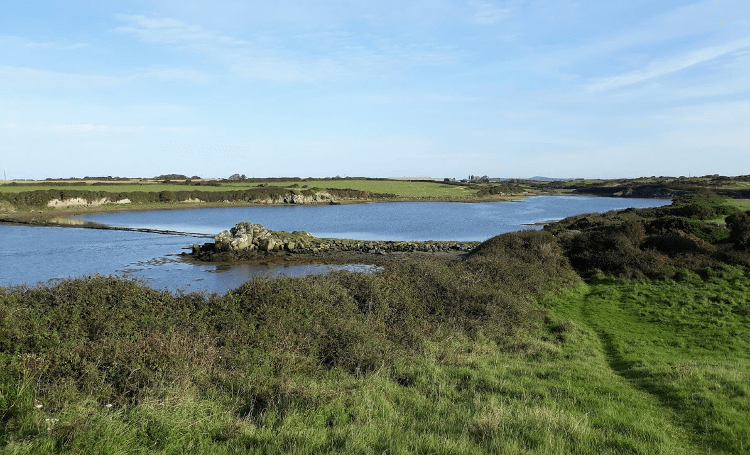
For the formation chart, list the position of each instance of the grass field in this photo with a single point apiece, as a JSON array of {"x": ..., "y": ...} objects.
[
  {"x": 112, "y": 187},
  {"x": 742, "y": 204},
  {"x": 399, "y": 188}
]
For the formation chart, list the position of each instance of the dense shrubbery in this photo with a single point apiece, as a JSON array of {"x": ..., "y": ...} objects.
[
  {"x": 655, "y": 242},
  {"x": 118, "y": 341},
  {"x": 506, "y": 188},
  {"x": 40, "y": 198}
]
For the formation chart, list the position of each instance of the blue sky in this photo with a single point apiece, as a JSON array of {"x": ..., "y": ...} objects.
[{"x": 437, "y": 88}]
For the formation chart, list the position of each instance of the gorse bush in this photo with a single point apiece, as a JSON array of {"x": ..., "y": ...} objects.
[
  {"x": 655, "y": 242},
  {"x": 739, "y": 226}
]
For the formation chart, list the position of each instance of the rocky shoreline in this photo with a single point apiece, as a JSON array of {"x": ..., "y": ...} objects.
[{"x": 251, "y": 242}]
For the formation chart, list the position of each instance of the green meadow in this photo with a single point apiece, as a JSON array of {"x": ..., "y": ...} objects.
[
  {"x": 399, "y": 188},
  {"x": 619, "y": 333}
]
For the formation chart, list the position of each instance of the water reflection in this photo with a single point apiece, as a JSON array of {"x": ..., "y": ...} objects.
[{"x": 221, "y": 277}]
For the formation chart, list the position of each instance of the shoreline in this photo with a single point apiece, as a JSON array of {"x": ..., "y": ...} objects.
[{"x": 63, "y": 217}]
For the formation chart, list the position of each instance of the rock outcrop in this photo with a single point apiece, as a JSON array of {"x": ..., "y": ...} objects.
[
  {"x": 82, "y": 202},
  {"x": 251, "y": 241}
]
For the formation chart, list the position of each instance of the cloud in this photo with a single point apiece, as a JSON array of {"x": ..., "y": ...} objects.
[
  {"x": 174, "y": 74},
  {"x": 665, "y": 67},
  {"x": 53, "y": 45},
  {"x": 488, "y": 12},
  {"x": 630, "y": 45},
  {"x": 307, "y": 57},
  {"x": 40, "y": 78},
  {"x": 173, "y": 31},
  {"x": 34, "y": 77}
]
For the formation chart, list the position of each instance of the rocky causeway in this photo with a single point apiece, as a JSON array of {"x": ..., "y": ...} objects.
[{"x": 252, "y": 242}]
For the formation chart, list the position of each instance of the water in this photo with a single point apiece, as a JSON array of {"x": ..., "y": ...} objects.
[
  {"x": 38, "y": 254},
  {"x": 382, "y": 221}
]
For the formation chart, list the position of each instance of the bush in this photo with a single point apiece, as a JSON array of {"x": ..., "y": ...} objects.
[
  {"x": 739, "y": 227},
  {"x": 118, "y": 341},
  {"x": 167, "y": 196}
]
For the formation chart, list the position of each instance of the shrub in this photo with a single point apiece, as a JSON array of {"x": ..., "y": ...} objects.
[
  {"x": 739, "y": 227},
  {"x": 167, "y": 196}
]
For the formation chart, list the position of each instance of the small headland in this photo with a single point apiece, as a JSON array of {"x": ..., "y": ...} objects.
[{"x": 250, "y": 242}]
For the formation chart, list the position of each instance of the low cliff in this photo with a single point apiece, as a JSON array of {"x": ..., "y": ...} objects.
[{"x": 252, "y": 241}]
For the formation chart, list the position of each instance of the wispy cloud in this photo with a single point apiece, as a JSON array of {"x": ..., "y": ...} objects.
[
  {"x": 634, "y": 46},
  {"x": 34, "y": 77},
  {"x": 659, "y": 68},
  {"x": 173, "y": 74},
  {"x": 489, "y": 12},
  {"x": 173, "y": 31},
  {"x": 334, "y": 55},
  {"x": 40, "y": 78},
  {"x": 52, "y": 45}
]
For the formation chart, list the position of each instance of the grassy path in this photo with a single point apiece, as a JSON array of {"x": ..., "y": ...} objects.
[{"x": 684, "y": 345}]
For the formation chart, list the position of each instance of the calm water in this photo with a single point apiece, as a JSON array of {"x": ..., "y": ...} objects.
[
  {"x": 383, "y": 221},
  {"x": 36, "y": 254}
]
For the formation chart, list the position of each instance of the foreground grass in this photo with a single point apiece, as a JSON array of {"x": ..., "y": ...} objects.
[
  {"x": 466, "y": 396},
  {"x": 594, "y": 376},
  {"x": 684, "y": 343}
]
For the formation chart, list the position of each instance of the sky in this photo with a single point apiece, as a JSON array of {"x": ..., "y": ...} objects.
[{"x": 407, "y": 88}]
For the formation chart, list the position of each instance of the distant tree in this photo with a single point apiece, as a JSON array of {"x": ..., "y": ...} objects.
[{"x": 168, "y": 177}]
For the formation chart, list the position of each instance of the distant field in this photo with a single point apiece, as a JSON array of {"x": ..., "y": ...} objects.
[
  {"x": 113, "y": 188},
  {"x": 399, "y": 188},
  {"x": 742, "y": 204}
]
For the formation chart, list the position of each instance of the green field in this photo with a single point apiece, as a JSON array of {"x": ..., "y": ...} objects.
[
  {"x": 742, "y": 204},
  {"x": 399, "y": 188}
]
